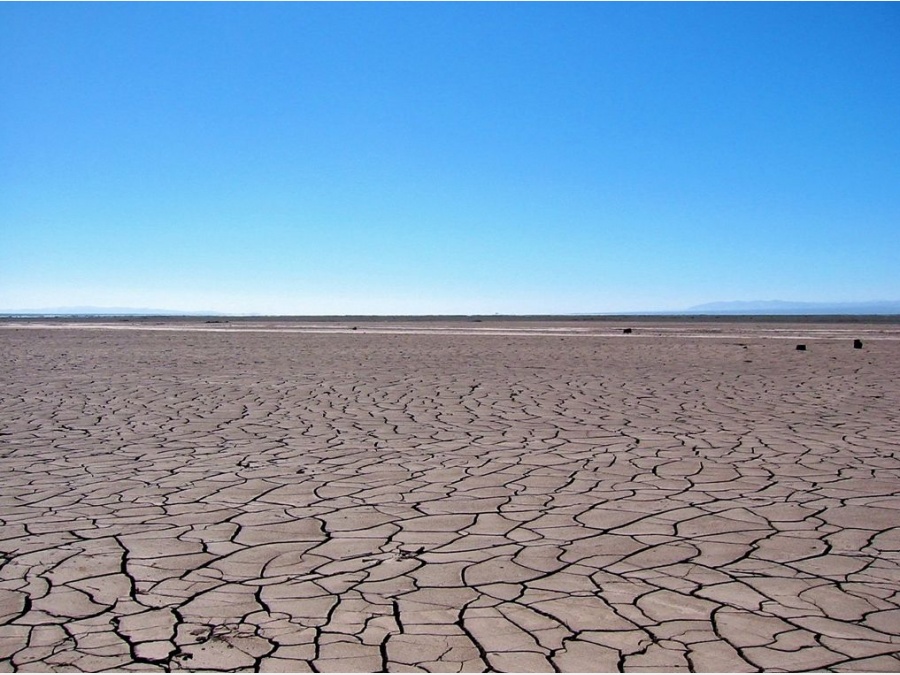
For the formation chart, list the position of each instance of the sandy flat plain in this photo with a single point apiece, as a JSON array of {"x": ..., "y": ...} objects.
[{"x": 457, "y": 496}]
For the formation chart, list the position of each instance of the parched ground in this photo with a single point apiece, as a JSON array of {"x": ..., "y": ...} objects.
[{"x": 445, "y": 497}]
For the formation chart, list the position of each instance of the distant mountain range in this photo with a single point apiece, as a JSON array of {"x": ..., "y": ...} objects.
[{"x": 799, "y": 308}]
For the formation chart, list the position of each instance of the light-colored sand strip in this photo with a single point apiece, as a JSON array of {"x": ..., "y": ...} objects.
[{"x": 871, "y": 333}]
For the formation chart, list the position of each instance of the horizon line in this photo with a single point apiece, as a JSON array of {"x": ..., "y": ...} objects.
[{"x": 754, "y": 308}]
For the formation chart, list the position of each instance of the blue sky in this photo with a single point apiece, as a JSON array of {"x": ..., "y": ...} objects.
[{"x": 448, "y": 158}]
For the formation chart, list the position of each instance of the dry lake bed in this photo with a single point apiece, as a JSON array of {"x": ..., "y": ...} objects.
[{"x": 449, "y": 496}]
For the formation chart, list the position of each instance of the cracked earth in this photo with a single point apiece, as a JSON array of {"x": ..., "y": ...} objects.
[{"x": 466, "y": 497}]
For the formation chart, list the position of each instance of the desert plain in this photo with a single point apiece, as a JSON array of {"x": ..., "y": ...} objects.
[{"x": 528, "y": 496}]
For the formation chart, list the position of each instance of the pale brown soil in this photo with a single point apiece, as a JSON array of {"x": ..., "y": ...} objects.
[{"x": 449, "y": 496}]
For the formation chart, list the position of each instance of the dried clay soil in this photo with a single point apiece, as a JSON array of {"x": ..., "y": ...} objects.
[{"x": 443, "y": 497}]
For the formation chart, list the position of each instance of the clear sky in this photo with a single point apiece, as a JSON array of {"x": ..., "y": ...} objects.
[{"x": 447, "y": 158}]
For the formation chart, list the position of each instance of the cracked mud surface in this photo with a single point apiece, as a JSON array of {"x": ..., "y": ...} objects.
[{"x": 510, "y": 498}]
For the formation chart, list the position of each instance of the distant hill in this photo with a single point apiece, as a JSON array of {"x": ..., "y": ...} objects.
[{"x": 800, "y": 308}]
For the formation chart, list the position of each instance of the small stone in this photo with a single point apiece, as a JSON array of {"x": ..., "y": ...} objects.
[
  {"x": 857, "y": 344},
  {"x": 801, "y": 348},
  {"x": 627, "y": 331}
]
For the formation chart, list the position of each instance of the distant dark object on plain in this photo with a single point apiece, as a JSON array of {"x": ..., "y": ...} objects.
[
  {"x": 857, "y": 344},
  {"x": 627, "y": 331},
  {"x": 801, "y": 348}
]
